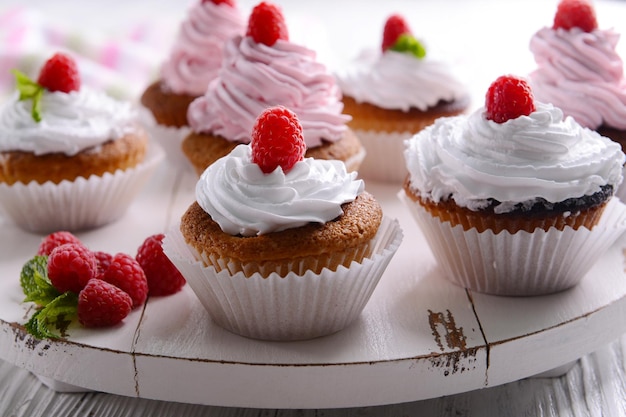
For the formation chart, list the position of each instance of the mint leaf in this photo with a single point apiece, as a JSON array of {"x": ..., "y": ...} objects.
[
  {"x": 29, "y": 90},
  {"x": 56, "y": 314},
  {"x": 35, "y": 283},
  {"x": 408, "y": 43}
]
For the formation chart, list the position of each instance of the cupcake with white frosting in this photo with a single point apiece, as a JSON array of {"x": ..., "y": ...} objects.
[
  {"x": 514, "y": 199},
  {"x": 394, "y": 92},
  {"x": 71, "y": 157},
  {"x": 193, "y": 62},
  {"x": 260, "y": 71},
  {"x": 270, "y": 227}
]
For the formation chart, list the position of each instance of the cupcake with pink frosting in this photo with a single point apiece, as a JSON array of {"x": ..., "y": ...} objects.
[
  {"x": 580, "y": 71},
  {"x": 194, "y": 61},
  {"x": 394, "y": 92},
  {"x": 264, "y": 69}
]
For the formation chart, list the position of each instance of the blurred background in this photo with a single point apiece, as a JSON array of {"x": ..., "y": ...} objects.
[{"x": 121, "y": 43}]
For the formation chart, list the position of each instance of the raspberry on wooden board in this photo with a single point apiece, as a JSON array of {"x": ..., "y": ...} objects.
[
  {"x": 163, "y": 277},
  {"x": 102, "y": 304},
  {"x": 71, "y": 266}
]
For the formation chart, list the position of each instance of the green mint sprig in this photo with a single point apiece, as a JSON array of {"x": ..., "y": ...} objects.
[
  {"x": 408, "y": 43},
  {"x": 29, "y": 90},
  {"x": 56, "y": 310}
]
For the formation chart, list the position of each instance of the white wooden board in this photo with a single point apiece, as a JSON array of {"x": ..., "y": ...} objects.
[{"x": 419, "y": 337}]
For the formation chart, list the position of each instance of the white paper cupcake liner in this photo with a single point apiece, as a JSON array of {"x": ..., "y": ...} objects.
[
  {"x": 355, "y": 161},
  {"x": 621, "y": 189},
  {"x": 295, "y": 307},
  {"x": 384, "y": 161},
  {"x": 520, "y": 264},
  {"x": 79, "y": 204},
  {"x": 167, "y": 137}
]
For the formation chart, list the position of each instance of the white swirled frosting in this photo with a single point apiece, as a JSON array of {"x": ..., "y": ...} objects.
[
  {"x": 71, "y": 122},
  {"x": 255, "y": 76},
  {"x": 399, "y": 81},
  {"x": 243, "y": 200},
  {"x": 196, "y": 55},
  {"x": 542, "y": 155},
  {"x": 582, "y": 74}
]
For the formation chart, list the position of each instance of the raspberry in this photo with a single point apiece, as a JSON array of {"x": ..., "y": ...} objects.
[
  {"x": 126, "y": 274},
  {"x": 60, "y": 73},
  {"x": 102, "y": 304},
  {"x": 277, "y": 140},
  {"x": 507, "y": 98},
  {"x": 103, "y": 260},
  {"x": 394, "y": 27},
  {"x": 70, "y": 267},
  {"x": 230, "y": 3},
  {"x": 163, "y": 277},
  {"x": 55, "y": 239},
  {"x": 266, "y": 24},
  {"x": 575, "y": 13}
]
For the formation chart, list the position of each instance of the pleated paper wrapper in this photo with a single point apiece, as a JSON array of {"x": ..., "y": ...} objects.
[
  {"x": 523, "y": 263},
  {"x": 384, "y": 161},
  {"x": 621, "y": 189},
  {"x": 296, "y": 307},
  {"x": 169, "y": 138},
  {"x": 82, "y": 204}
]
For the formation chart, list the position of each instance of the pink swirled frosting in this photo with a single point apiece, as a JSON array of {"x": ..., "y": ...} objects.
[
  {"x": 197, "y": 53},
  {"x": 255, "y": 76},
  {"x": 582, "y": 74}
]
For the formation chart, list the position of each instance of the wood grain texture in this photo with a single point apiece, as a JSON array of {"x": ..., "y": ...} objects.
[{"x": 594, "y": 387}]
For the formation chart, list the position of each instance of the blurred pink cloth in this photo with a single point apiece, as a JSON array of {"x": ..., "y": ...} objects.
[{"x": 122, "y": 65}]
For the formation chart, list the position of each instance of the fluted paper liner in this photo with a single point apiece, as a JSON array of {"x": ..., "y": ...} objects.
[
  {"x": 84, "y": 203},
  {"x": 170, "y": 138},
  {"x": 621, "y": 189},
  {"x": 384, "y": 161},
  {"x": 519, "y": 264},
  {"x": 295, "y": 307}
]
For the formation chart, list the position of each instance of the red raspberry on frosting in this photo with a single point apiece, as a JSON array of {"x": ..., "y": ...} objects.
[
  {"x": 508, "y": 97},
  {"x": 266, "y": 24},
  {"x": 102, "y": 304},
  {"x": 394, "y": 27},
  {"x": 55, "y": 239},
  {"x": 60, "y": 73},
  {"x": 125, "y": 273},
  {"x": 230, "y": 3},
  {"x": 575, "y": 13},
  {"x": 277, "y": 140},
  {"x": 163, "y": 277},
  {"x": 70, "y": 267}
]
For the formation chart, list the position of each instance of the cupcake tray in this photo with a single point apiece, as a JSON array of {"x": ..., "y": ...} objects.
[{"x": 419, "y": 337}]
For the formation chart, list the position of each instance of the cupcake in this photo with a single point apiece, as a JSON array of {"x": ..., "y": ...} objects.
[
  {"x": 193, "y": 63},
  {"x": 278, "y": 246},
  {"x": 70, "y": 157},
  {"x": 514, "y": 199},
  {"x": 264, "y": 69},
  {"x": 580, "y": 71},
  {"x": 393, "y": 93}
]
